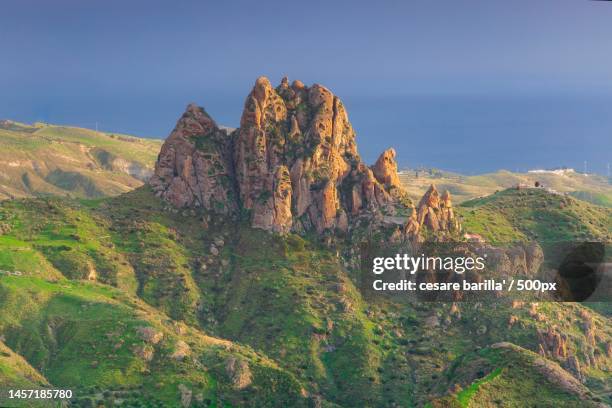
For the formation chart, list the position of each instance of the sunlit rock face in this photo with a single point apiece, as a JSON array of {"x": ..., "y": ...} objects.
[{"x": 292, "y": 165}]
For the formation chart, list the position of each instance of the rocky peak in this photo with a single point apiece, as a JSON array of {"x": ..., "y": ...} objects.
[
  {"x": 293, "y": 163},
  {"x": 385, "y": 169},
  {"x": 445, "y": 200},
  {"x": 430, "y": 199},
  {"x": 434, "y": 212},
  {"x": 193, "y": 168}
]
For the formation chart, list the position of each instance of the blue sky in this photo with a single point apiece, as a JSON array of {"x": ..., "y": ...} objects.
[{"x": 471, "y": 85}]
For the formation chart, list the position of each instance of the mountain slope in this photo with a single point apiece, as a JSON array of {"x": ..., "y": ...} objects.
[
  {"x": 44, "y": 159},
  {"x": 289, "y": 298},
  {"x": 593, "y": 188},
  {"x": 534, "y": 213},
  {"x": 508, "y": 375},
  {"x": 233, "y": 279},
  {"x": 103, "y": 344},
  {"x": 16, "y": 373}
]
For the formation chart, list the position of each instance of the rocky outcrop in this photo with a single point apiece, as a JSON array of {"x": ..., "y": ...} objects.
[
  {"x": 194, "y": 167},
  {"x": 550, "y": 370},
  {"x": 108, "y": 161},
  {"x": 447, "y": 214},
  {"x": 186, "y": 395},
  {"x": 522, "y": 258},
  {"x": 412, "y": 226},
  {"x": 385, "y": 169},
  {"x": 239, "y": 372},
  {"x": 150, "y": 335},
  {"x": 292, "y": 164},
  {"x": 552, "y": 344},
  {"x": 434, "y": 212}
]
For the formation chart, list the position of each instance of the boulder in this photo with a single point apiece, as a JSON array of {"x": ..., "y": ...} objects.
[
  {"x": 239, "y": 372},
  {"x": 150, "y": 335},
  {"x": 181, "y": 350}
]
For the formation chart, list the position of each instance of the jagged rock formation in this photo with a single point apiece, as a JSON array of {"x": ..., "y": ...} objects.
[
  {"x": 194, "y": 167},
  {"x": 552, "y": 344},
  {"x": 293, "y": 163},
  {"x": 524, "y": 258},
  {"x": 385, "y": 169},
  {"x": 412, "y": 226},
  {"x": 434, "y": 212}
]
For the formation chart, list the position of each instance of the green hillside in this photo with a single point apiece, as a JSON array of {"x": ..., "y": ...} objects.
[
  {"x": 43, "y": 159},
  {"x": 593, "y": 188},
  {"x": 110, "y": 293},
  {"x": 17, "y": 373},
  {"x": 508, "y": 375},
  {"x": 536, "y": 214}
]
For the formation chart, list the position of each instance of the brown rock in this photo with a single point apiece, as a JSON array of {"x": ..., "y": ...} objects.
[
  {"x": 145, "y": 352},
  {"x": 288, "y": 163},
  {"x": 534, "y": 257},
  {"x": 181, "y": 350},
  {"x": 239, "y": 372},
  {"x": 434, "y": 212},
  {"x": 186, "y": 395},
  {"x": 150, "y": 335},
  {"x": 412, "y": 226},
  {"x": 193, "y": 168},
  {"x": 432, "y": 321},
  {"x": 385, "y": 169},
  {"x": 573, "y": 365},
  {"x": 431, "y": 198},
  {"x": 553, "y": 344}
]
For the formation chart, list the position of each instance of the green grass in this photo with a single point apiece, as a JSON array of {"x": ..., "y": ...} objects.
[
  {"x": 465, "y": 396},
  {"x": 515, "y": 376},
  {"x": 85, "y": 336},
  {"x": 286, "y": 305},
  {"x": 593, "y": 188},
  {"x": 603, "y": 199},
  {"x": 16, "y": 374},
  {"x": 534, "y": 214},
  {"x": 132, "y": 148},
  {"x": 46, "y": 160}
]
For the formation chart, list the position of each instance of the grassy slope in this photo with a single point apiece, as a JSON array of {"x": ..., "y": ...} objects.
[
  {"x": 535, "y": 214},
  {"x": 17, "y": 373},
  {"x": 83, "y": 335},
  {"x": 594, "y": 188},
  {"x": 290, "y": 299},
  {"x": 86, "y": 337},
  {"x": 287, "y": 297},
  {"x": 434, "y": 351},
  {"x": 510, "y": 376},
  {"x": 59, "y": 160}
]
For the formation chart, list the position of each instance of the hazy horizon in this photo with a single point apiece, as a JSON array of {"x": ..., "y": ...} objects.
[{"x": 470, "y": 87}]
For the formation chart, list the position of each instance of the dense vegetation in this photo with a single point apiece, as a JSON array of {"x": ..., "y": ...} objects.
[{"x": 129, "y": 300}]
